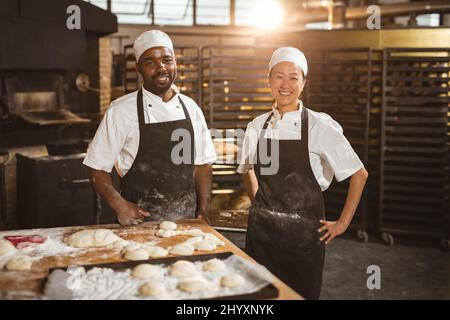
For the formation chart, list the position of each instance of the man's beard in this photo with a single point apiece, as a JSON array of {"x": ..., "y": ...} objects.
[{"x": 154, "y": 86}]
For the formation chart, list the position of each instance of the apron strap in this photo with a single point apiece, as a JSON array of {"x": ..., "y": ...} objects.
[
  {"x": 266, "y": 123},
  {"x": 140, "y": 108},
  {"x": 304, "y": 128},
  {"x": 186, "y": 113}
]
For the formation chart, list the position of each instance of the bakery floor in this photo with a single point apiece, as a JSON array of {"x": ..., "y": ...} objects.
[{"x": 410, "y": 269}]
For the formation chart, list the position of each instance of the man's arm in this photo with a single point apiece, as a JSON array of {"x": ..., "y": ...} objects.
[
  {"x": 250, "y": 183},
  {"x": 127, "y": 212},
  {"x": 203, "y": 182}
]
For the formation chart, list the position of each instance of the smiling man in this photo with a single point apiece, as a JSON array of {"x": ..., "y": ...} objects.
[{"x": 138, "y": 135}]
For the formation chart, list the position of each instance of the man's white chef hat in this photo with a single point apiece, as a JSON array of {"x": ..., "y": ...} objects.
[
  {"x": 289, "y": 54},
  {"x": 150, "y": 39}
]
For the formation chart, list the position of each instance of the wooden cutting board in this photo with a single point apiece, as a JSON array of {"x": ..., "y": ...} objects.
[{"x": 33, "y": 280}]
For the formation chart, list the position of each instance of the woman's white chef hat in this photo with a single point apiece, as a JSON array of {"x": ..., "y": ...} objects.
[
  {"x": 289, "y": 54},
  {"x": 150, "y": 39}
]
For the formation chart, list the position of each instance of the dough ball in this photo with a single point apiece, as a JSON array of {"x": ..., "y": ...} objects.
[
  {"x": 232, "y": 280},
  {"x": 92, "y": 238},
  {"x": 205, "y": 245},
  {"x": 156, "y": 252},
  {"x": 119, "y": 244},
  {"x": 193, "y": 240},
  {"x": 6, "y": 247},
  {"x": 193, "y": 285},
  {"x": 153, "y": 289},
  {"x": 19, "y": 263},
  {"x": 215, "y": 239},
  {"x": 193, "y": 232},
  {"x": 145, "y": 271},
  {"x": 182, "y": 249},
  {"x": 168, "y": 225},
  {"x": 182, "y": 269},
  {"x": 132, "y": 246},
  {"x": 167, "y": 233},
  {"x": 138, "y": 254},
  {"x": 214, "y": 265}
]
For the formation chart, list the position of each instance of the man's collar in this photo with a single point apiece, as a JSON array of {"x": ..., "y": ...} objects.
[{"x": 154, "y": 97}]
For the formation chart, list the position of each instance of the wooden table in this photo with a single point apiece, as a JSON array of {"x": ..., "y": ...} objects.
[{"x": 34, "y": 279}]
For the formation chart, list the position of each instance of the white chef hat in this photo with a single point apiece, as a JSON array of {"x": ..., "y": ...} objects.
[
  {"x": 150, "y": 39},
  {"x": 289, "y": 54}
]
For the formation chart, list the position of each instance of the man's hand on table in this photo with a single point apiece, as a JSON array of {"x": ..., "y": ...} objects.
[{"x": 129, "y": 213}]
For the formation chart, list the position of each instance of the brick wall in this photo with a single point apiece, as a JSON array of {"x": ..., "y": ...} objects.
[{"x": 105, "y": 70}]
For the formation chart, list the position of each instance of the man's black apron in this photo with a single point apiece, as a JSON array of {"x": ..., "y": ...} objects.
[
  {"x": 154, "y": 182},
  {"x": 284, "y": 218}
]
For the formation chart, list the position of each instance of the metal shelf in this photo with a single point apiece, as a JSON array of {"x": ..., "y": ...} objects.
[{"x": 414, "y": 159}]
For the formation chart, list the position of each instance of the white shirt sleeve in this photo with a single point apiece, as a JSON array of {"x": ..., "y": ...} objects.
[
  {"x": 248, "y": 149},
  {"x": 205, "y": 153},
  {"x": 336, "y": 150},
  {"x": 108, "y": 141}
]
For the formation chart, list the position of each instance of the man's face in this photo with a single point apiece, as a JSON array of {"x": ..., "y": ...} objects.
[
  {"x": 286, "y": 83},
  {"x": 158, "y": 68}
]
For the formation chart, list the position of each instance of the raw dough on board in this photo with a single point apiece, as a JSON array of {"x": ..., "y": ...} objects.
[
  {"x": 138, "y": 254},
  {"x": 156, "y": 252},
  {"x": 92, "y": 238},
  {"x": 182, "y": 249},
  {"x": 19, "y": 263},
  {"x": 168, "y": 225},
  {"x": 6, "y": 247},
  {"x": 205, "y": 245}
]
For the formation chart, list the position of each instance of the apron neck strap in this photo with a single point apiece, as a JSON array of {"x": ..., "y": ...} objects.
[
  {"x": 186, "y": 113},
  {"x": 304, "y": 122},
  {"x": 140, "y": 108},
  {"x": 266, "y": 123}
]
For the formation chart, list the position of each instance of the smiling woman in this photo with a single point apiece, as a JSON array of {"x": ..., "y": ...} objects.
[{"x": 287, "y": 213}]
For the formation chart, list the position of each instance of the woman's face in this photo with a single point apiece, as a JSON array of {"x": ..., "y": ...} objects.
[{"x": 286, "y": 83}]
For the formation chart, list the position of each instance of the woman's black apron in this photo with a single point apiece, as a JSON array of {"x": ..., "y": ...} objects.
[
  {"x": 284, "y": 218},
  {"x": 154, "y": 182}
]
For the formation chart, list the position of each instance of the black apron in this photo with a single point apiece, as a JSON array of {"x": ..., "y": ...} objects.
[
  {"x": 154, "y": 182},
  {"x": 284, "y": 218}
]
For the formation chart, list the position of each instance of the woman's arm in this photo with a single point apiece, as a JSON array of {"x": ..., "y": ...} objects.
[
  {"x": 355, "y": 189},
  {"x": 250, "y": 183}
]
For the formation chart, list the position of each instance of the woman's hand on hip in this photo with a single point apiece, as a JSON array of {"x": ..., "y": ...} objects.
[{"x": 333, "y": 229}]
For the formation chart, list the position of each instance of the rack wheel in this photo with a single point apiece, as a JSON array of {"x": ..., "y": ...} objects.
[
  {"x": 387, "y": 238},
  {"x": 362, "y": 235},
  {"x": 445, "y": 244}
]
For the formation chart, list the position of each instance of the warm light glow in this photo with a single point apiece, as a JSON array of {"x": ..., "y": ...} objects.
[{"x": 266, "y": 15}]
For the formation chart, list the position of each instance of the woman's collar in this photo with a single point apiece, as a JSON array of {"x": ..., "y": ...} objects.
[{"x": 277, "y": 114}]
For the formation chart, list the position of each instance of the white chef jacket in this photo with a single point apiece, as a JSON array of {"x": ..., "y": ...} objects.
[
  {"x": 330, "y": 153},
  {"x": 116, "y": 141}
]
